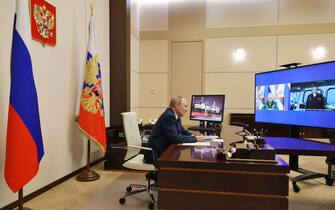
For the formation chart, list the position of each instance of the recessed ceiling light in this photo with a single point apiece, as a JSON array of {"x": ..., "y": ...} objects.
[
  {"x": 239, "y": 54},
  {"x": 319, "y": 52}
]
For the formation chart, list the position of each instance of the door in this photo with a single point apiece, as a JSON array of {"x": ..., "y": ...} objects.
[{"x": 186, "y": 71}]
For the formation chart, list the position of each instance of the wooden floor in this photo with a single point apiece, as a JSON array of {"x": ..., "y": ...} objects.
[{"x": 73, "y": 195}]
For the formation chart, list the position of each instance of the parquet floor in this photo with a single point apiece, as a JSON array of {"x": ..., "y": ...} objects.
[
  {"x": 104, "y": 193},
  {"x": 71, "y": 194}
]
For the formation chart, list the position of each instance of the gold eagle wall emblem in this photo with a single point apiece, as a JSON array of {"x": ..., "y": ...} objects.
[{"x": 45, "y": 21}]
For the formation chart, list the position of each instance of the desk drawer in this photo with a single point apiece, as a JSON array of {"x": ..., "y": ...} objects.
[
  {"x": 206, "y": 200},
  {"x": 224, "y": 181}
]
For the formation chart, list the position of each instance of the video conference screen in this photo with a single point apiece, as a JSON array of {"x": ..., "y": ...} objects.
[
  {"x": 207, "y": 108},
  {"x": 297, "y": 96}
]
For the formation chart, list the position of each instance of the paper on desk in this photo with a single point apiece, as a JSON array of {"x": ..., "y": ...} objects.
[
  {"x": 199, "y": 143},
  {"x": 217, "y": 140}
]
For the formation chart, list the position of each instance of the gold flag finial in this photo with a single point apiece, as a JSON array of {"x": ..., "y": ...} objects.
[{"x": 91, "y": 7}]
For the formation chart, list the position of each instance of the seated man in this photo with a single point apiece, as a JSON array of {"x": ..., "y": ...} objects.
[
  {"x": 270, "y": 103},
  {"x": 169, "y": 130}
]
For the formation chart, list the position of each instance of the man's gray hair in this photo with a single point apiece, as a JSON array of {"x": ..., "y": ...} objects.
[{"x": 175, "y": 101}]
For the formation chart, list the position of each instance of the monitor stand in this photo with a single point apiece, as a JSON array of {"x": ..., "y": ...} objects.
[
  {"x": 294, "y": 159},
  {"x": 206, "y": 128},
  {"x": 203, "y": 127},
  {"x": 202, "y": 124}
]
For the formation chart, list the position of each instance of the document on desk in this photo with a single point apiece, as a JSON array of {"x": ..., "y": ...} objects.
[
  {"x": 202, "y": 143},
  {"x": 217, "y": 140},
  {"x": 198, "y": 143},
  {"x": 209, "y": 138}
]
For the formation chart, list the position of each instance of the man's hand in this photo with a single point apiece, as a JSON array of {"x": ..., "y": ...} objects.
[{"x": 199, "y": 137}]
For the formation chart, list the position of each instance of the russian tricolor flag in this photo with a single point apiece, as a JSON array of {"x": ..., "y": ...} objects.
[{"x": 24, "y": 148}]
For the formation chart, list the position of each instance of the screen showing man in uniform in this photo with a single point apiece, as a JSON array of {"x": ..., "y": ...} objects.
[
  {"x": 311, "y": 96},
  {"x": 271, "y": 97}
]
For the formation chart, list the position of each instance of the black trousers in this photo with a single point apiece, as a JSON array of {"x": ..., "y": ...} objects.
[{"x": 151, "y": 157}]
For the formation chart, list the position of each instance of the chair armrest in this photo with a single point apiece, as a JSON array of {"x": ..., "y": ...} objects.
[
  {"x": 119, "y": 147},
  {"x": 138, "y": 147}
]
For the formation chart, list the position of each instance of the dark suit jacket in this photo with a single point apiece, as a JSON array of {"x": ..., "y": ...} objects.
[
  {"x": 315, "y": 102},
  {"x": 167, "y": 130}
]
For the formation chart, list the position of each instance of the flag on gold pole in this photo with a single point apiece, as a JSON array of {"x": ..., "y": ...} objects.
[{"x": 91, "y": 119}]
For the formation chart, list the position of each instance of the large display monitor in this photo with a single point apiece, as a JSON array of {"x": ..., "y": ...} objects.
[
  {"x": 207, "y": 108},
  {"x": 303, "y": 96}
]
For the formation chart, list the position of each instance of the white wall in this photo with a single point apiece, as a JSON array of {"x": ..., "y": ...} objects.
[
  {"x": 154, "y": 15},
  {"x": 241, "y": 13},
  {"x": 272, "y": 32},
  {"x": 153, "y": 80},
  {"x": 56, "y": 72}
]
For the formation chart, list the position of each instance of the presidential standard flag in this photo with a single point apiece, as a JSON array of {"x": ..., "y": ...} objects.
[
  {"x": 24, "y": 148},
  {"x": 91, "y": 111}
]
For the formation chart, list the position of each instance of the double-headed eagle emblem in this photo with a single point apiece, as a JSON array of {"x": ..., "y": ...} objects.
[
  {"x": 45, "y": 21},
  {"x": 91, "y": 96}
]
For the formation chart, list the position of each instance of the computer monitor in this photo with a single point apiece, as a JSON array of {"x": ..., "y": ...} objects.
[
  {"x": 207, "y": 108},
  {"x": 300, "y": 96}
]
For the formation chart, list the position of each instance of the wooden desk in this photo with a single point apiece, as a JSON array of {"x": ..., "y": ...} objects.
[{"x": 192, "y": 178}]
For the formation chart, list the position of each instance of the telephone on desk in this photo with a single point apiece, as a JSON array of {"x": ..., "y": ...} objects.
[
  {"x": 150, "y": 122},
  {"x": 139, "y": 121}
]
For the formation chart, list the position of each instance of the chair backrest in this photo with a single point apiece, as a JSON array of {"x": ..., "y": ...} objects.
[{"x": 132, "y": 133}]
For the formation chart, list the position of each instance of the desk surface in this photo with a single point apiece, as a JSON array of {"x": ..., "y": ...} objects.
[
  {"x": 294, "y": 146},
  {"x": 206, "y": 157}
]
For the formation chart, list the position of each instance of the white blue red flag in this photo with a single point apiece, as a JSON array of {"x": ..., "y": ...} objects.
[
  {"x": 91, "y": 112},
  {"x": 24, "y": 147}
]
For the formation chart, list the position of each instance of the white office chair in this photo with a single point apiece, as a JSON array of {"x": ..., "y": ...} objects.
[{"x": 133, "y": 158}]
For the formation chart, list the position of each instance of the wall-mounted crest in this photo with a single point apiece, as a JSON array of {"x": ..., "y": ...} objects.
[{"x": 43, "y": 22}]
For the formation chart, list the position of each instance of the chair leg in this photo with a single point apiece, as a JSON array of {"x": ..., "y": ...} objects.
[
  {"x": 137, "y": 185},
  {"x": 144, "y": 188},
  {"x": 134, "y": 192}
]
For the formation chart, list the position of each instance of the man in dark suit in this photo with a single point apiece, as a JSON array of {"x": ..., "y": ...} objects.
[
  {"x": 315, "y": 100},
  {"x": 169, "y": 130}
]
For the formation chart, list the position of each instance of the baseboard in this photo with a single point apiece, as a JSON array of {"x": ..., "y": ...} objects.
[{"x": 49, "y": 186}]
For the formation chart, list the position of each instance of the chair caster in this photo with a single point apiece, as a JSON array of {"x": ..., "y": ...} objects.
[
  {"x": 129, "y": 189},
  {"x": 329, "y": 181},
  {"x": 296, "y": 188},
  {"x": 122, "y": 200},
  {"x": 151, "y": 205}
]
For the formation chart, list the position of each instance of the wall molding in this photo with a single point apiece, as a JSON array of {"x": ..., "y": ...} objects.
[
  {"x": 236, "y": 72},
  {"x": 152, "y": 72},
  {"x": 204, "y": 33},
  {"x": 151, "y": 107}
]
